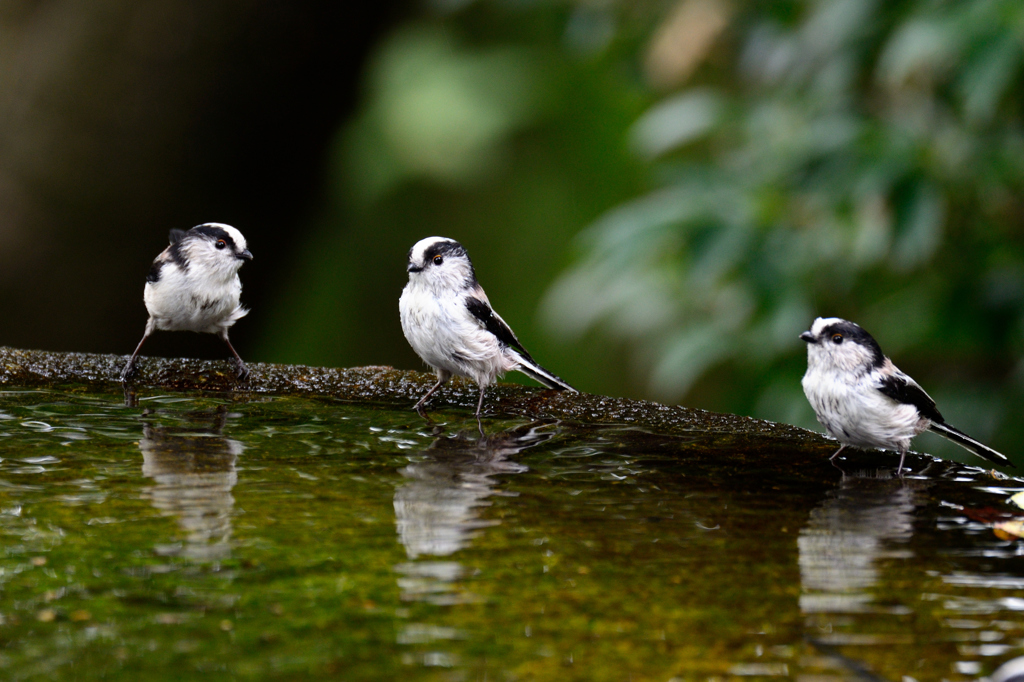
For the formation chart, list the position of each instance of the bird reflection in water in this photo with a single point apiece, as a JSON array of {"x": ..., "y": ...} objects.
[
  {"x": 193, "y": 466},
  {"x": 867, "y": 518},
  {"x": 437, "y": 510}
]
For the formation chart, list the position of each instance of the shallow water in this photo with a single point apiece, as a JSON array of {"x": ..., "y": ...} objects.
[{"x": 290, "y": 538}]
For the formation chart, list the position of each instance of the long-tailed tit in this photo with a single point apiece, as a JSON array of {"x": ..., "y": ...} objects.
[
  {"x": 450, "y": 324},
  {"x": 194, "y": 286},
  {"x": 865, "y": 401}
]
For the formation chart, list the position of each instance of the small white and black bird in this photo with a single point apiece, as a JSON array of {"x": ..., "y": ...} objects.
[
  {"x": 865, "y": 401},
  {"x": 193, "y": 286},
  {"x": 449, "y": 322}
]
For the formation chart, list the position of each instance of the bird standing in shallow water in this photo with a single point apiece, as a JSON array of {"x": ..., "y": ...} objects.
[
  {"x": 865, "y": 401},
  {"x": 193, "y": 285},
  {"x": 448, "y": 321}
]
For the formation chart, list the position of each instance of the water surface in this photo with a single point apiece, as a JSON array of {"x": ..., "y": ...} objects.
[{"x": 289, "y": 538}]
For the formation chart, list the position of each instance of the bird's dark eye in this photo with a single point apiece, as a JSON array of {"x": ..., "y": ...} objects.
[
  {"x": 438, "y": 260},
  {"x": 221, "y": 244},
  {"x": 837, "y": 339}
]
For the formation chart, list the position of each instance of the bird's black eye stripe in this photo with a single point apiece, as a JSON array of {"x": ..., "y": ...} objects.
[
  {"x": 214, "y": 234},
  {"x": 843, "y": 332},
  {"x": 438, "y": 259},
  {"x": 443, "y": 249}
]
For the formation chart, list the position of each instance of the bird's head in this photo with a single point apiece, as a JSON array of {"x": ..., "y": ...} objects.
[
  {"x": 838, "y": 344},
  {"x": 441, "y": 264},
  {"x": 214, "y": 246}
]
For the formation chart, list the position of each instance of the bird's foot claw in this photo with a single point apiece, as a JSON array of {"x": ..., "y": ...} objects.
[
  {"x": 129, "y": 372},
  {"x": 242, "y": 372},
  {"x": 421, "y": 411}
]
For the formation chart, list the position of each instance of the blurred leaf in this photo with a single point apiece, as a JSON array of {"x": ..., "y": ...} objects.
[
  {"x": 986, "y": 79},
  {"x": 918, "y": 234},
  {"x": 675, "y": 122},
  {"x": 918, "y": 53},
  {"x": 686, "y": 356},
  {"x": 440, "y": 112},
  {"x": 683, "y": 39}
]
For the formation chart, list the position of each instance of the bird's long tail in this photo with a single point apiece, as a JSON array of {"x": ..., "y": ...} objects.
[
  {"x": 535, "y": 371},
  {"x": 963, "y": 440}
]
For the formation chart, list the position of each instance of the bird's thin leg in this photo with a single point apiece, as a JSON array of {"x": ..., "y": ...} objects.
[
  {"x": 480, "y": 402},
  {"x": 129, "y": 369},
  {"x": 479, "y": 405},
  {"x": 426, "y": 397},
  {"x": 243, "y": 371},
  {"x": 836, "y": 453},
  {"x": 903, "y": 455}
]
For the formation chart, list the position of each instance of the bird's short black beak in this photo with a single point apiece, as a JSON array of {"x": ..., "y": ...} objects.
[
  {"x": 244, "y": 255},
  {"x": 808, "y": 337},
  {"x": 411, "y": 267}
]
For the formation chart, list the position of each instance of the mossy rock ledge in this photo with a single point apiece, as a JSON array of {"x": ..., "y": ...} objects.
[{"x": 393, "y": 388}]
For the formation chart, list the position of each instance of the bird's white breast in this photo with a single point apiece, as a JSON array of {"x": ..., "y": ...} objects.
[
  {"x": 447, "y": 336},
  {"x": 855, "y": 412},
  {"x": 186, "y": 300}
]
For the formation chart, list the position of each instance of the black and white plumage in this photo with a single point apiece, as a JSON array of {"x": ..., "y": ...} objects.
[
  {"x": 193, "y": 285},
  {"x": 449, "y": 322},
  {"x": 863, "y": 400}
]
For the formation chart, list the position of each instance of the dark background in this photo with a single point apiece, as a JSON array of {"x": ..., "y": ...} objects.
[{"x": 122, "y": 120}]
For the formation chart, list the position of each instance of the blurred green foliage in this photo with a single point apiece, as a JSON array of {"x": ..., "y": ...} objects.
[
  {"x": 839, "y": 157},
  {"x": 739, "y": 168}
]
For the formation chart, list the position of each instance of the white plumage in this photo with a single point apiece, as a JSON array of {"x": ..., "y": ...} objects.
[
  {"x": 449, "y": 322},
  {"x": 193, "y": 285}
]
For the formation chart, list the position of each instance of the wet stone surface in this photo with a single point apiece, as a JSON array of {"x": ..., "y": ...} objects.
[
  {"x": 275, "y": 533},
  {"x": 381, "y": 385}
]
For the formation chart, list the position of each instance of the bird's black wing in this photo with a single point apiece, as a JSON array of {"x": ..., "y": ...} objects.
[
  {"x": 176, "y": 236},
  {"x": 903, "y": 389},
  {"x": 494, "y": 324}
]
